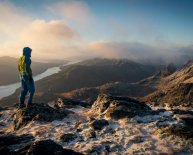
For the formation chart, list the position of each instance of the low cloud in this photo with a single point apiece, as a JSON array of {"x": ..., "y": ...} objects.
[{"x": 141, "y": 52}]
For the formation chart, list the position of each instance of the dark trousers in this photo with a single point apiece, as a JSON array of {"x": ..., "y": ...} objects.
[{"x": 26, "y": 86}]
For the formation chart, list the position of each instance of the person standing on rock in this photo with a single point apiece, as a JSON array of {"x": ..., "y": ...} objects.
[{"x": 27, "y": 82}]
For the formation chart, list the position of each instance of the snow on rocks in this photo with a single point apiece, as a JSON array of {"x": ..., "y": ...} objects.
[{"x": 154, "y": 132}]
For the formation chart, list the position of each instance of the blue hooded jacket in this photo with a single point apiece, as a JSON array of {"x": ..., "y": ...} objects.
[{"x": 27, "y": 54}]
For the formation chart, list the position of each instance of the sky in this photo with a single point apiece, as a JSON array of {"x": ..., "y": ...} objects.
[{"x": 134, "y": 29}]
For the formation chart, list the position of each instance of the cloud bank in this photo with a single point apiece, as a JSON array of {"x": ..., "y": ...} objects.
[{"x": 141, "y": 52}]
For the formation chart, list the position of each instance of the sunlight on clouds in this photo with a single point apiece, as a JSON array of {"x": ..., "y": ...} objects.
[
  {"x": 44, "y": 37},
  {"x": 48, "y": 33},
  {"x": 102, "y": 49}
]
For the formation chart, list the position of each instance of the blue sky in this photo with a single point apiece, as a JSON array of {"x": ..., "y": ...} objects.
[
  {"x": 164, "y": 19},
  {"x": 154, "y": 23}
]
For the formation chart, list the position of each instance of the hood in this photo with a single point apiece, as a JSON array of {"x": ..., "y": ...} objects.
[{"x": 27, "y": 51}]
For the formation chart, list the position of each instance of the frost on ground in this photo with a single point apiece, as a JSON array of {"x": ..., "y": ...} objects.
[{"x": 137, "y": 135}]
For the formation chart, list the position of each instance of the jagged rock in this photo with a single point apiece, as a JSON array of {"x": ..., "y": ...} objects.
[
  {"x": 59, "y": 103},
  {"x": 68, "y": 137},
  {"x": 65, "y": 102},
  {"x": 49, "y": 147},
  {"x": 24, "y": 144},
  {"x": 102, "y": 149},
  {"x": 119, "y": 107},
  {"x": 181, "y": 130},
  {"x": 99, "y": 124},
  {"x": 91, "y": 134},
  {"x": 38, "y": 112},
  {"x": 95, "y": 149},
  {"x": 187, "y": 118},
  {"x": 15, "y": 144},
  {"x": 183, "y": 126},
  {"x": 78, "y": 130}
]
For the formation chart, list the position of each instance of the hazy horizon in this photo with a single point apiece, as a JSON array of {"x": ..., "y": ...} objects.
[{"x": 133, "y": 29}]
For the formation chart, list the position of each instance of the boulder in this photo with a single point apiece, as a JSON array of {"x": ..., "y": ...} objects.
[
  {"x": 182, "y": 127},
  {"x": 66, "y": 102},
  {"x": 187, "y": 118},
  {"x": 49, "y": 147},
  {"x": 185, "y": 126},
  {"x": 39, "y": 112},
  {"x": 24, "y": 144},
  {"x": 119, "y": 107},
  {"x": 68, "y": 137},
  {"x": 99, "y": 124},
  {"x": 181, "y": 130},
  {"x": 15, "y": 144},
  {"x": 90, "y": 134}
]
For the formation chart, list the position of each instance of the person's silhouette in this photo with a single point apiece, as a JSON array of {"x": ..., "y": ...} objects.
[{"x": 27, "y": 82}]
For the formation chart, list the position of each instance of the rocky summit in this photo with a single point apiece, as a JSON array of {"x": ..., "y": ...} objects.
[
  {"x": 111, "y": 125},
  {"x": 119, "y": 107}
]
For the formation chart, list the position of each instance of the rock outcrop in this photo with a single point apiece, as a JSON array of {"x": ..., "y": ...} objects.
[
  {"x": 39, "y": 112},
  {"x": 99, "y": 124},
  {"x": 26, "y": 145},
  {"x": 183, "y": 126},
  {"x": 49, "y": 147},
  {"x": 67, "y": 137},
  {"x": 119, "y": 107},
  {"x": 65, "y": 102},
  {"x": 15, "y": 144}
]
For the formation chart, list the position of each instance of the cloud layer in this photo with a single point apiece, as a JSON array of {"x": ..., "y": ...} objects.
[{"x": 141, "y": 52}]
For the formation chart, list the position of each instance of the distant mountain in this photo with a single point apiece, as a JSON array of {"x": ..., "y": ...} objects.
[
  {"x": 174, "y": 89},
  {"x": 93, "y": 73},
  {"x": 137, "y": 89},
  {"x": 89, "y": 73},
  {"x": 9, "y": 71}
]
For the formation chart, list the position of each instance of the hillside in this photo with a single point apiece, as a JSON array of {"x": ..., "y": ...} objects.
[
  {"x": 9, "y": 71},
  {"x": 94, "y": 73},
  {"x": 175, "y": 89}
]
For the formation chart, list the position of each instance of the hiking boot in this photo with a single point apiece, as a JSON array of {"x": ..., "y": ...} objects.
[
  {"x": 30, "y": 105},
  {"x": 21, "y": 106}
]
